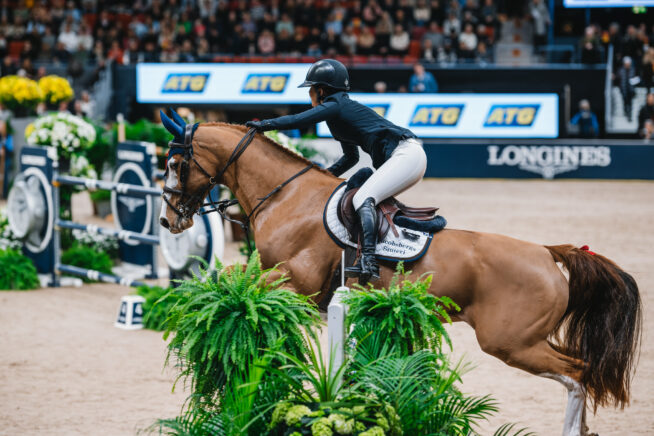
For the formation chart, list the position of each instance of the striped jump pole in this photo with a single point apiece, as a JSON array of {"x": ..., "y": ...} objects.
[
  {"x": 98, "y": 276},
  {"x": 121, "y": 188},
  {"x": 123, "y": 235}
]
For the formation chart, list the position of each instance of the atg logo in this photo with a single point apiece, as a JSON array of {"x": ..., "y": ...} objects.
[
  {"x": 259, "y": 83},
  {"x": 436, "y": 115},
  {"x": 547, "y": 160},
  {"x": 511, "y": 115},
  {"x": 186, "y": 83},
  {"x": 381, "y": 109}
]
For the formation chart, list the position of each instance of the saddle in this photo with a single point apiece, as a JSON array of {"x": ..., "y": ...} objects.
[{"x": 387, "y": 212}]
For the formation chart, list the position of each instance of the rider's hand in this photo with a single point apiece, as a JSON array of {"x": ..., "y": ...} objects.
[{"x": 258, "y": 125}]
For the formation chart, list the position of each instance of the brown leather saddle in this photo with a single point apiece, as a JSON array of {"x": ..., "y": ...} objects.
[{"x": 386, "y": 212}]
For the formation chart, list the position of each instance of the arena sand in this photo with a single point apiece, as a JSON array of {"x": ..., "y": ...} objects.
[{"x": 66, "y": 370}]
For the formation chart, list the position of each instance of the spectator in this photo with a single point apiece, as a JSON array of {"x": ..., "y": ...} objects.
[
  {"x": 115, "y": 53},
  {"x": 452, "y": 25},
  {"x": 435, "y": 35},
  {"x": 371, "y": 13},
  {"x": 627, "y": 81},
  {"x": 69, "y": 39},
  {"x": 422, "y": 81},
  {"x": 330, "y": 43},
  {"x": 60, "y": 54},
  {"x": 585, "y": 121},
  {"x": 366, "y": 42},
  {"x": 349, "y": 41},
  {"x": 648, "y": 130},
  {"x": 266, "y": 43},
  {"x": 590, "y": 52},
  {"x": 646, "y": 113},
  {"x": 541, "y": 17},
  {"x": 648, "y": 68},
  {"x": 87, "y": 106},
  {"x": 380, "y": 87},
  {"x": 484, "y": 56},
  {"x": 284, "y": 45},
  {"x": 437, "y": 11},
  {"x": 468, "y": 42},
  {"x": 334, "y": 23},
  {"x": 421, "y": 13},
  {"x": 631, "y": 45},
  {"x": 383, "y": 31},
  {"x": 299, "y": 43},
  {"x": 399, "y": 43},
  {"x": 429, "y": 53}
]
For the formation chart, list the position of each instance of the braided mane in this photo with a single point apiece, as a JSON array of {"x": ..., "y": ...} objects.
[{"x": 270, "y": 141}]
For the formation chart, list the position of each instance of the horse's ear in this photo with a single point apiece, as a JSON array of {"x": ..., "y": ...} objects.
[
  {"x": 177, "y": 131},
  {"x": 179, "y": 120}
]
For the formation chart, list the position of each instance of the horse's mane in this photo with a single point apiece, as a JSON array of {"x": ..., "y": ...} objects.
[{"x": 272, "y": 142}]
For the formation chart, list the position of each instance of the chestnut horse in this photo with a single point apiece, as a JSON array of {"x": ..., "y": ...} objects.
[{"x": 583, "y": 333}]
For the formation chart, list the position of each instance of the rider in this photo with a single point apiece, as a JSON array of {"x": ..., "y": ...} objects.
[{"x": 396, "y": 154}]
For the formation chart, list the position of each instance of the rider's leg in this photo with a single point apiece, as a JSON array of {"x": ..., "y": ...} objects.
[{"x": 404, "y": 169}]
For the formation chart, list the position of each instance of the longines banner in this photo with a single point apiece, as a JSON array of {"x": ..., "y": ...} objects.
[
  {"x": 549, "y": 160},
  {"x": 428, "y": 115}
]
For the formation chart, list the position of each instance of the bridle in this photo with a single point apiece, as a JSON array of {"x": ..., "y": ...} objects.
[{"x": 191, "y": 204}]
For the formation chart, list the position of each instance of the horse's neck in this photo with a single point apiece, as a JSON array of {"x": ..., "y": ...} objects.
[{"x": 259, "y": 170}]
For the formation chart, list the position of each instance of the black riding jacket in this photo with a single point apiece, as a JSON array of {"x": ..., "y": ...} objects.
[{"x": 352, "y": 124}]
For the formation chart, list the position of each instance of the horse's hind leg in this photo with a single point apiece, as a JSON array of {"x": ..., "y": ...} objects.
[{"x": 543, "y": 360}]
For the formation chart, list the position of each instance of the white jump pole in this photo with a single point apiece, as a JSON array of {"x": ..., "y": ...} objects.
[{"x": 336, "y": 312}]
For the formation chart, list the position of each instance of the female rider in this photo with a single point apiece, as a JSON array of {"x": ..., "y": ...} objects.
[{"x": 396, "y": 154}]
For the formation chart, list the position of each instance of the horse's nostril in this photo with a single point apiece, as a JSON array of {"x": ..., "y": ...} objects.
[{"x": 164, "y": 222}]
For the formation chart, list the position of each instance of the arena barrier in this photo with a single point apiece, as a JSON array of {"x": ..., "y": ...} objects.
[{"x": 135, "y": 200}]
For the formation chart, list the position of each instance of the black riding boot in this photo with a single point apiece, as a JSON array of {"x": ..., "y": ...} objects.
[{"x": 367, "y": 269}]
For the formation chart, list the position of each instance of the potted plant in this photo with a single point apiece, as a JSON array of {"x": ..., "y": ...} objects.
[{"x": 101, "y": 202}]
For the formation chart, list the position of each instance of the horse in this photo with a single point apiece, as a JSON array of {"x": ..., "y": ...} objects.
[{"x": 582, "y": 331}]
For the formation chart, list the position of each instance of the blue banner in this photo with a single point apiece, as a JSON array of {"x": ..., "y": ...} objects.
[{"x": 590, "y": 160}]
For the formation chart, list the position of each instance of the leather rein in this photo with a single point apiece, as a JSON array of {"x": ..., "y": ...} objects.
[{"x": 193, "y": 202}]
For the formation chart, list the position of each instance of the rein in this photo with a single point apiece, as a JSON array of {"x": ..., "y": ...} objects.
[{"x": 186, "y": 210}]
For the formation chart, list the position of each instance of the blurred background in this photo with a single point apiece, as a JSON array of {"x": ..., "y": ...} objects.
[{"x": 548, "y": 71}]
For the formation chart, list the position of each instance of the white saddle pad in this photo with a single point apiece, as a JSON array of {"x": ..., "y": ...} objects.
[{"x": 410, "y": 245}]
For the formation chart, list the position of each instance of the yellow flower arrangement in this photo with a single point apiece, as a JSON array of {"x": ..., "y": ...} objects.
[
  {"x": 55, "y": 89},
  {"x": 19, "y": 92}
]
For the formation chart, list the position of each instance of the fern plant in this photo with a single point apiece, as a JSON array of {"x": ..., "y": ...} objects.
[
  {"x": 223, "y": 320},
  {"x": 158, "y": 302},
  {"x": 405, "y": 313},
  {"x": 17, "y": 271}
]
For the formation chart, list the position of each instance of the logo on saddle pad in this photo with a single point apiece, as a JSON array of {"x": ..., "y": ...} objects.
[
  {"x": 265, "y": 83},
  {"x": 436, "y": 115},
  {"x": 548, "y": 161},
  {"x": 185, "y": 83},
  {"x": 511, "y": 115}
]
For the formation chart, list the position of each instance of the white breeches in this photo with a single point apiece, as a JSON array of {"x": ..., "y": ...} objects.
[{"x": 405, "y": 168}]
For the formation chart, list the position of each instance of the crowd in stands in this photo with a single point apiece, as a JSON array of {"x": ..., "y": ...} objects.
[{"x": 93, "y": 31}]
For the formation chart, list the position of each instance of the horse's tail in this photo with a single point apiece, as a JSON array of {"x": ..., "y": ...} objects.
[{"x": 602, "y": 324}]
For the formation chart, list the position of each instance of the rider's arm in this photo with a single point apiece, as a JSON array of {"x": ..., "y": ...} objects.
[
  {"x": 348, "y": 160},
  {"x": 322, "y": 112}
]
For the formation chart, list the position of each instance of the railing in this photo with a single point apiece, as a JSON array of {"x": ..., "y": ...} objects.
[{"x": 608, "y": 102}]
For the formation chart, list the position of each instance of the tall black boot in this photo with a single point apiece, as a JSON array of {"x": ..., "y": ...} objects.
[{"x": 367, "y": 269}]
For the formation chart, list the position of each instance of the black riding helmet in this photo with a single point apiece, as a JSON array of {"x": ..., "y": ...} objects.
[{"x": 328, "y": 72}]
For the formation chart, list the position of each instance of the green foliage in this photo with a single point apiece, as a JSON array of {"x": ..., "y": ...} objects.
[
  {"x": 158, "y": 302},
  {"x": 100, "y": 195},
  {"x": 252, "y": 372},
  {"x": 193, "y": 423},
  {"x": 87, "y": 257},
  {"x": 17, "y": 271},
  {"x": 405, "y": 313},
  {"x": 144, "y": 130},
  {"x": 223, "y": 320}
]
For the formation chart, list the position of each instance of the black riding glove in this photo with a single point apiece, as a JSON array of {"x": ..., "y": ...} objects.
[{"x": 260, "y": 126}]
